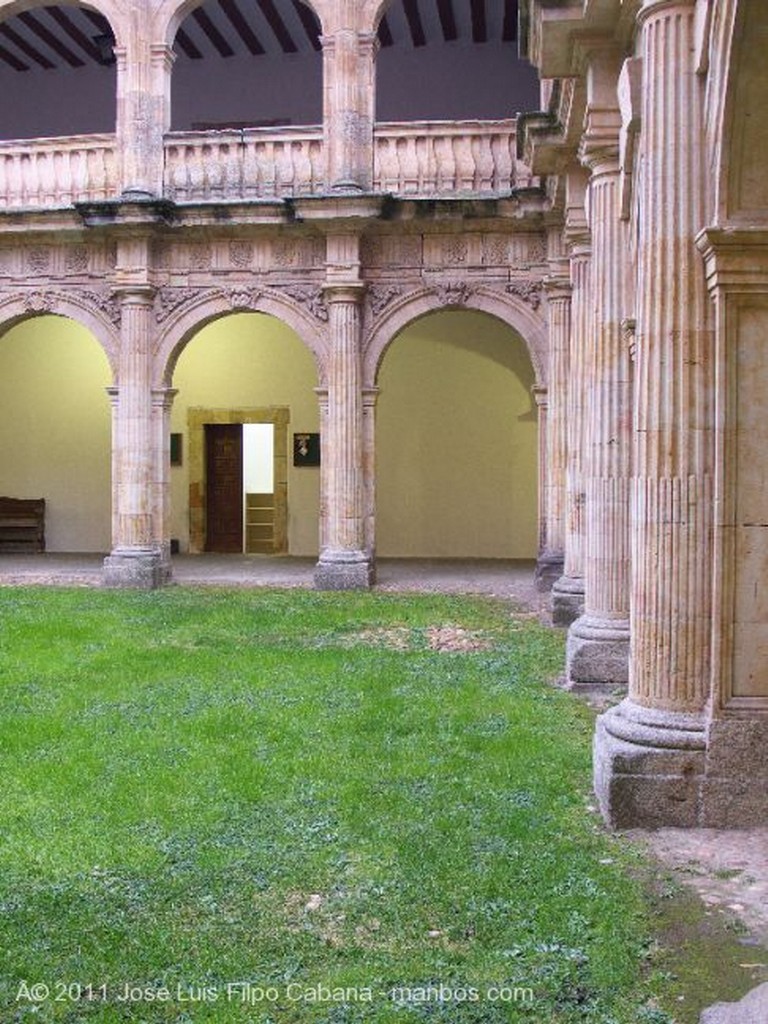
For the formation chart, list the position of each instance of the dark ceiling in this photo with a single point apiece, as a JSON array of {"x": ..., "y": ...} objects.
[{"x": 59, "y": 36}]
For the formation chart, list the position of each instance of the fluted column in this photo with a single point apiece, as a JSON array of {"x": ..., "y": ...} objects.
[
  {"x": 650, "y": 749},
  {"x": 568, "y": 591},
  {"x": 598, "y": 642},
  {"x": 552, "y": 553},
  {"x": 349, "y": 58},
  {"x": 542, "y": 409},
  {"x": 344, "y": 564},
  {"x": 135, "y": 559}
]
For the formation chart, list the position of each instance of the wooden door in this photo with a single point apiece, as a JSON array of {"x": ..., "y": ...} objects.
[{"x": 224, "y": 487}]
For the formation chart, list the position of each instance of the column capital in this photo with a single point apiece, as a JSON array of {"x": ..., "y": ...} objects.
[
  {"x": 344, "y": 292},
  {"x": 558, "y": 288},
  {"x": 540, "y": 396},
  {"x": 655, "y": 7},
  {"x": 162, "y": 398},
  {"x": 136, "y": 293}
]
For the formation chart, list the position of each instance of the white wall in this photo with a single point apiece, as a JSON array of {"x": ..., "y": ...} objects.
[
  {"x": 249, "y": 360},
  {"x": 457, "y": 441},
  {"x": 56, "y": 429}
]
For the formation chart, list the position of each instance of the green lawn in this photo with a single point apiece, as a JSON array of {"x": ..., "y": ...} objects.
[{"x": 238, "y": 803}]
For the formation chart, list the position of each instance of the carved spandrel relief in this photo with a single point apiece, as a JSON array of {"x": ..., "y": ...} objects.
[
  {"x": 244, "y": 299},
  {"x": 311, "y": 298},
  {"x": 168, "y": 300},
  {"x": 39, "y": 302},
  {"x": 381, "y": 296},
  {"x": 107, "y": 303},
  {"x": 527, "y": 289}
]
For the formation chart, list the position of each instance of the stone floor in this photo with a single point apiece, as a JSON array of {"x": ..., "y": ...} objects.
[{"x": 500, "y": 578}]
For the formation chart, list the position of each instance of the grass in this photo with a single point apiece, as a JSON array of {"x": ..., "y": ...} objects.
[{"x": 344, "y": 801}]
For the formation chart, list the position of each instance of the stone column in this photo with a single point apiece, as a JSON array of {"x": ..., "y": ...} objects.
[
  {"x": 143, "y": 113},
  {"x": 568, "y": 591},
  {"x": 650, "y": 749},
  {"x": 550, "y": 563},
  {"x": 349, "y": 87},
  {"x": 344, "y": 564},
  {"x": 162, "y": 403},
  {"x": 598, "y": 642},
  {"x": 135, "y": 560}
]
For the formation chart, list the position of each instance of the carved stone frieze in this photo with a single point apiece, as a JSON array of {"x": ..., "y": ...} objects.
[
  {"x": 528, "y": 290},
  {"x": 241, "y": 254},
  {"x": 455, "y": 251},
  {"x": 76, "y": 259},
  {"x": 38, "y": 259},
  {"x": 200, "y": 256}
]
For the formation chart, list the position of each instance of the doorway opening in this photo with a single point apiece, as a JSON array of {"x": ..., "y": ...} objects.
[{"x": 238, "y": 492}]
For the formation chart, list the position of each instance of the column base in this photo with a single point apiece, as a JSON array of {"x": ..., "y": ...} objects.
[
  {"x": 549, "y": 569},
  {"x": 649, "y": 767},
  {"x": 136, "y": 568},
  {"x": 597, "y": 653},
  {"x": 344, "y": 570},
  {"x": 736, "y": 780},
  {"x": 567, "y": 600}
]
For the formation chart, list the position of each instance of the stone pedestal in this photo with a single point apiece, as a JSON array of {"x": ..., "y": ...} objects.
[{"x": 649, "y": 767}]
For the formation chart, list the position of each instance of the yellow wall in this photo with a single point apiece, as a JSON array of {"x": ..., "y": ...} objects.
[
  {"x": 55, "y": 429},
  {"x": 456, "y": 430},
  {"x": 244, "y": 361},
  {"x": 457, "y": 441}
]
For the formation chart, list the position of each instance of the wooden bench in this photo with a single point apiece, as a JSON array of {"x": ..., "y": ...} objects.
[{"x": 22, "y": 525}]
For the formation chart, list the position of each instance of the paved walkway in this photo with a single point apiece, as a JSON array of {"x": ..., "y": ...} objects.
[{"x": 501, "y": 578}]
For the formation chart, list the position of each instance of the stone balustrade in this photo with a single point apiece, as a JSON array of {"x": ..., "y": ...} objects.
[
  {"x": 57, "y": 172},
  {"x": 249, "y": 164},
  {"x": 410, "y": 159},
  {"x": 432, "y": 157}
]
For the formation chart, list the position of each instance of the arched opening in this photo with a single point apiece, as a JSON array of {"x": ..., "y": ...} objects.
[
  {"x": 56, "y": 430},
  {"x": 263, "y": 55},
  {"x": 456, "y": 441},
  {"x": 57, "y": 64},
  {"x": 451, "y": 60},
  {"x": 244, "y": 370}
]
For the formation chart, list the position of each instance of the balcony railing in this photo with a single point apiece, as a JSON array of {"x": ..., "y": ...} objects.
[
  {"x": 422, "y": 159},
  {"x": 57, "y": 172},
  {"x": 430, "y": 158},
  {"x": 250, "y": 164}
]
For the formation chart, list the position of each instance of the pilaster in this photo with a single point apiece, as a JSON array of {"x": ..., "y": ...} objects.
[
  {"x": 650, "y": 750},
  {"x": 162, "y": 404},
  {"x": 349, "y": 59},
  {"x": 540, "y": 396},
  {"x": 552, "y": 557},
  {"x": 143, "y": 113},
  {"x": 568, "y": 591}
]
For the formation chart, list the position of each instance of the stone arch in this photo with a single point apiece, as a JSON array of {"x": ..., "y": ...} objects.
[
  {"x": 742, "y": 189},
  {"x": 110, "y": 9},
  {"x": 101, "y": 321},
  {"x": 173, "y": 13},
  {"x": 190, "y": 317},
  {"x": 512, "y": 310}
]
